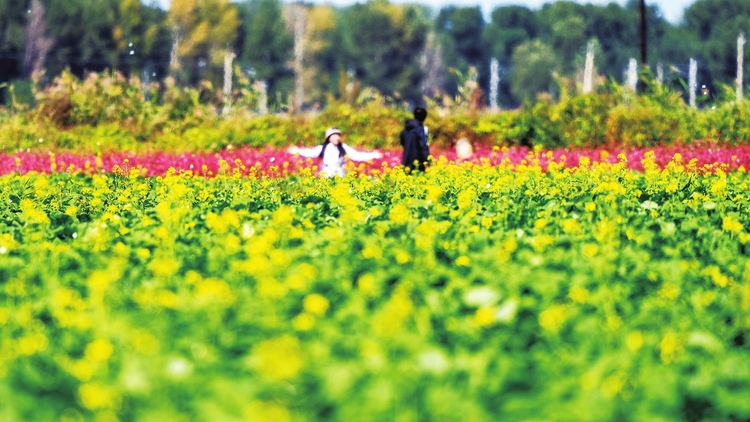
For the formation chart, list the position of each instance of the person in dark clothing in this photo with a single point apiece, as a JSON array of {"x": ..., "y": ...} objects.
[{"x": 414, "y": 140}]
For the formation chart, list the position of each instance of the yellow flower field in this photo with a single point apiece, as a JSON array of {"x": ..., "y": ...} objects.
[{"x": 470, "y": 292}]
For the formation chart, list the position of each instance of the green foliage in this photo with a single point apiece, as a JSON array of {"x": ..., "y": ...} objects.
[
  {"x": 461, "y": 30},
  {"x": 20, "y": 94},
  {"x": 69, "y": 113},
  {"x": 12, "y": 19},
  {"x": 382, "y": 44},
  {"x": 267, "y": 45},
  {"x": 599, "y": 293},
  {"x": 533, "y": 65}
]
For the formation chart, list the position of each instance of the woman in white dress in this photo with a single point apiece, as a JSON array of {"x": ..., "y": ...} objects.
[{"x": 332, "y": 152}]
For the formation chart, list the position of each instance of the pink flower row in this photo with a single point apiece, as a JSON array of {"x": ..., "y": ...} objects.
[{"x": 276, "y": 162}]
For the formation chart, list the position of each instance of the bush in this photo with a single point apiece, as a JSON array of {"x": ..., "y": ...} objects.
[{"x": 191, "y": 119}]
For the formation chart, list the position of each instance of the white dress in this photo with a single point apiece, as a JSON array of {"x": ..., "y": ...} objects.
[{"x": 333, "y": 165}]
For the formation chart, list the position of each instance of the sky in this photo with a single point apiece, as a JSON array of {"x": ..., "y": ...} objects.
[{"x": 672, "y": 9}]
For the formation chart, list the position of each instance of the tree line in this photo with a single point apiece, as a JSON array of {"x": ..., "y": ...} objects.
[{"x": 307, "y": 55}]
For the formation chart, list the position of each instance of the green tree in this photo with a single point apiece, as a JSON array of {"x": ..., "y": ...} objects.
[
  {"x": 509, "y": 27},
  {"x": 716, "y": 25},
  {"x": 323, "y": 59},
  {"x": 564, "y": 27},
  {"x": 268, "y": 47},
  {"x": 154, "y": 49},
  {"x": 383, "y": 43},
  {"x": 534, "y": 64},
  {"x": 12, "y": 22},
  {"x": 84, "y": 36},
  {"x": 460, "y": 30},
  {"x": 128, "y": 34},
  {"x": 203, "y": 30}
]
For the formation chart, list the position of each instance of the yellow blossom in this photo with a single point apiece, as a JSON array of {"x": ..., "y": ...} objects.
[
  {"x": 399, "y": 214},
  {"x": 590, "y": 250},
  {"x": 714, "y": 274},
  {"x": 730, "y": 224},
  {"x": 402, "y": 257},
  {"x": 277, "y": 359},
  {"x": 99, "y": 350},
  {"x": 553, "y": 318},
  {"x": 303, "y": 322},
  {"x": 32, "y": 214},
  {"x": 670, "y": 347},
  {"x": 164, "y": 267},
  {"x": 95, "y": 395},
  {"x": 315, "y": 304},
  {"x": 463, "y": 261},
  {"x": 634, "y": 341},
  {"x": 669, "y": 291},
  {"x": 579, "y": 294},
  {"x": 484, "y": 316},
  {"x": 266, "y": 411},
  {"x": 613, "y": 384}
]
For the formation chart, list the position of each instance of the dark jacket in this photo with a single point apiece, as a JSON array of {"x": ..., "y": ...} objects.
[{"x": 414, "y": 141}]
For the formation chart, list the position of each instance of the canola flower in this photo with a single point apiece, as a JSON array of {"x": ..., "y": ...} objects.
[{"x": 475, "y": 291}]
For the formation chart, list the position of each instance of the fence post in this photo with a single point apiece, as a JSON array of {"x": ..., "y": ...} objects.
[
  {"x": 494, "y": 83},
  {"x": 693, "y": 81},
  {"x": 228, "y": 59},
  {"x": 740, "y": 61},
  {"x": 588, "y": 70}
]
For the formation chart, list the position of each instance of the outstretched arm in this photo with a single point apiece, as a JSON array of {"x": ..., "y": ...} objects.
[
  {"x": 306, "y": 152},
  {"x": 355, "y": 155}
]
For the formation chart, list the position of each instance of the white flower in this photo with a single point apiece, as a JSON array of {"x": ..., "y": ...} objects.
[
  {"x": 507, "y": 311},
  {"x": 179, "y": 367},
  {"x": 433, "y": 361},
  {"x": 481, "y": 296}
]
